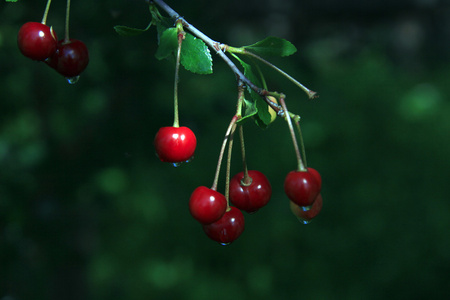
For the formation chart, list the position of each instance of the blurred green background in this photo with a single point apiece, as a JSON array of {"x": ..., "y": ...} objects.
[{"x": 87, "y": 211}]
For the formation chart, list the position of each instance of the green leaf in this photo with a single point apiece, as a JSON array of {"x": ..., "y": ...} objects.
[
  {"x": 168, "y": 43},
  {"x": 264, "y": 118},
  {"x": 11, "y": 0},
  {"x": 258, "y": 107},
  {"x": 129, "y": 31},
  {"x": 250, "y": 110},
  {"x": 272, "y": 46},
  {"x": 162, "y": 23},
  {"x": 195, "y": 55}
]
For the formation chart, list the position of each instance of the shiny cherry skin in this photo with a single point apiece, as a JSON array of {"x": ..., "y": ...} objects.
[
  {"x": 207, "y": 205},
  {"x": 228, "y": 228},
  {"x": 307, "y": 216},
  {"x": 70, "y": 59},
  {"x": 36, "y": 41},
  {"x": 316, "y": 174},
  {"x": 302, "y": 187},
  {"x": 175, "y": 144},
  {"x": 252, "y": 196}
]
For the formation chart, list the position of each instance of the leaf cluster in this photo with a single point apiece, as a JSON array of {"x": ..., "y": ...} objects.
[{"x": 196, "y": 58}]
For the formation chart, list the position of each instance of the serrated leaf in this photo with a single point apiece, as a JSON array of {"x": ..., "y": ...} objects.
[
  {"x": 273, "y": 46},
  {"x": 129, "y": 31},
  {"x": 195, "y": 55},
  {"x": 168, "y": 43},
  {"x": 11, "y": 0}
]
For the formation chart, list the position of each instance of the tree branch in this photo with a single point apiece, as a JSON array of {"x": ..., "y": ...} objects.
[{"x": 216, "y": 46}]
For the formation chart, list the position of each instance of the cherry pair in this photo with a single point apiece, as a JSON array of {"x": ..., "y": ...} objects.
[
  {"x": 303, "y": 189},
  {"x": 220, "y": 222},
  {"x": 38, "y": 41}
]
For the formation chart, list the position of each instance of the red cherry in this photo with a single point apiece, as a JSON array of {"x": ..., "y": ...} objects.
[
  {"x": 36, "y": 41},
  {"x": 175, "y": 144},
  {"x": 316, "y": 174},
  {"x": 301, "y": 187},
  {"x": 70, "y": 58},
  {"x": 250, "y": 197},
  {"x": 228, "y": 228},
  {"x": 207, "y": 205},
  {"x": 307, "y": 216}
]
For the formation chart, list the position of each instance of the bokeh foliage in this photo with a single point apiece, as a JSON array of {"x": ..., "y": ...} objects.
[{"x": 88, "y": 212}]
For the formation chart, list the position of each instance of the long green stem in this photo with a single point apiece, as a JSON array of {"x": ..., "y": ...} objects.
[
  {"x": 176, "y": 119},
  {"x": 246, "y": 180},
  {"x": 311, "y": 94},
  {"x": 302, "y": 144},
  {"x": 47, "y": 8},
  {"x": 227, "y": 174},
  {"x": 300, "y": 165},
  {"x": 222, "y": 150},
  {"x": 66, "y": 33}
]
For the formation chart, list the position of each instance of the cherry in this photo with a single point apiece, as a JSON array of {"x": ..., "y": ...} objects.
[
  {"x": 228, "y": 228},
  {"x": 207, "y": 205},
  {"x": 302, "y": 187},
  {"x": 175, "y": 144},
  {"x": 252, "y": 196},
  {"x": 36, "y": 41},
  {"x": 70, "y": 58},
  {"x": 307, "y": 216},
  {"x": 316, "y": 174}
]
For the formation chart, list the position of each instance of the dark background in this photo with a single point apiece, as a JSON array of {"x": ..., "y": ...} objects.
[{"x": 87, "y": 211}]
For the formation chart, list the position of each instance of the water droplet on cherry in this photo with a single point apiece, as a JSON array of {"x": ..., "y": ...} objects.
[
  {"x": 306, "y": 208},
  {"x": 303, "y": 221},
  {"x": 177, "y": 164},
  {"x": 72, "y": 80}
]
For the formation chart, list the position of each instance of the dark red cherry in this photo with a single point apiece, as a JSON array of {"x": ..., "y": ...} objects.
[
  {"x": 250, "y": 196},
  {"x": 306, "y": 216},
  {"x": 36, "y": 41},
  {"x": 70, "y": 58},
  {"x": 228, "y": 228},
  {"x": 175, "y": 144},
  {"x": 302, "y": 187},
  {"x": 207, "y": 205}
]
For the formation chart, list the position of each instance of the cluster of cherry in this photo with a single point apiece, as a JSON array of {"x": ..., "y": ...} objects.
[
  {"x": 248, "y": 191},
  {"x": 37, "y": 41}
]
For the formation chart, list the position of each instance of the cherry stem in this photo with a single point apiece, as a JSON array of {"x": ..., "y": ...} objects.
[
  {"x": 300, "y": 135},
  {"x": 246, "y": 180},
  {"x": 222, "y": 150},
  {"x": 47, "y": 8},
  {"x": 227, "y": 174},
  {"x": 66, "y": 35},
  {"x": 181, "y": 35},
  {"x": 311, "y": 94},
  {"x": 300, "y": 165}
]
